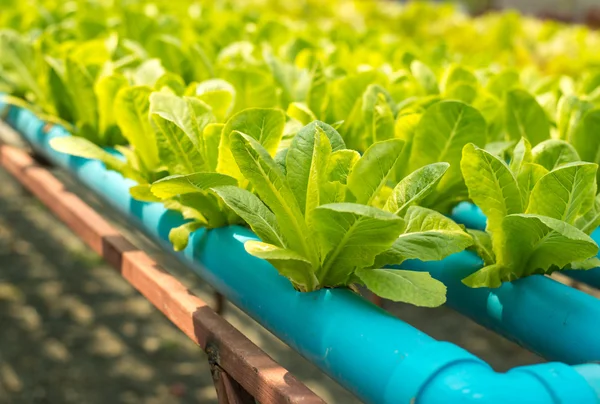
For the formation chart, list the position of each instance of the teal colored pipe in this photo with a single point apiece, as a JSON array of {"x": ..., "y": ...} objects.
[
  {"x": 472, "y": 217},
  {"x": 379, "y": 358},
  {"x": 537, "y": 312}
]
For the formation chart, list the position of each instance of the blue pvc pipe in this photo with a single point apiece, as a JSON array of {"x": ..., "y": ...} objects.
[
  {"x": 537, "y": 312},
  {"x": 379, "y": 358},
  {"x": 471, "y": 216}
]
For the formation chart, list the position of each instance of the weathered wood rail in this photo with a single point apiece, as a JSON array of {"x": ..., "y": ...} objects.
[{"x": 241, "y": 371}]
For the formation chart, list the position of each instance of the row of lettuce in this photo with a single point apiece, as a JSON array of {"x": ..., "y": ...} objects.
[{"x": 342, "y": 133}]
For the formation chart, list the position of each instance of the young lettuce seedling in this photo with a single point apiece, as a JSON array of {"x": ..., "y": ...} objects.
[
  {"x": 174, "y": 135},
  {"x": 197, "y": 152},
  {"x": 316, "y": 216},
  {"x": 141, "y": 115},
  {"x": 439, "y": 135},
  {"x": 540, "y": 210}
]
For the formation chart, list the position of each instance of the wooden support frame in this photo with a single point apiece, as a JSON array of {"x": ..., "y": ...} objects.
[{"x": 240, "y": 369}]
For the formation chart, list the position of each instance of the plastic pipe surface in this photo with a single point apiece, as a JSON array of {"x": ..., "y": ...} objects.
[
  {"x": 536, "y": 312},
  {"x": 379, "y": 358}
]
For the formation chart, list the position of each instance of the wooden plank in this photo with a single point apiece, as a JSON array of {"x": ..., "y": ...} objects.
[{"x": 247, "y": 364}]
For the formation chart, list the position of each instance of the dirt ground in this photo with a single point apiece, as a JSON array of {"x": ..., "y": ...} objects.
[{"x": 73, "y": 331}]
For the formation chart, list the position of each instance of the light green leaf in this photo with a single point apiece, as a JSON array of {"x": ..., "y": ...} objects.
[
  {"x": 212, "y": 137},
  {"x": 206, "y": 207},
  {"x": 172, "y": 81},
  {"x": 306, "y": 165},
  {"x": 490, "y": 276},
  {"x": 425, "y": 77},
  {"x": 492, "y": 186},
  {"x": 482, "y": 245},
  {"x": 501, "y": 148},
  {"x": 525, "y": 118},
  {"x": 180, "y": 236},
  {"x": 253, "y": 88},
  {"x": 132, "y": 159},
  {"x": 78, "y": 146},
  {"x": 270, "y": 183},
  {"x": 554, "y": 153},
  {"x": 352, "y": 236},
  {"x": 429, "y": 236},
  {"x": 415, "y": 187},
  {"x": 406, "y": 125},
  {"x": 186, "y": 211},
  {"x": 177, "y": 133},
  {"x": 174, "y": 185},
  {"x": 333, "y": 192},
  {"x": 106, "y": 89},
  {"x": 219, "y": 94},
  {"x": 374, "y": 169},
  {"x": 200, "y": 117},
  {"x": 377, "y": 114},
  {"x": 262, "y": 124},
  {"x": 336, "y": 140},
  {"x": 317, "y": 90},
  {"x": 585, "y": 137},
  {"x": 419, "y": 219},
  {"x": 132, "y": 113},
  {"x": 254, "y": 212},
  {"x": 503, "y": 82},
  {"x": 585, "y": 265},
  {"x": 456, "y": 74},
  {"x": 590, "y": 220},
  {"x": 405, "y": 129},
  {"x": 286, "y": 76},
  {"x": 490, "y": 108},
  {"x": 590, "y": 81},
  {"x": 346, "y": 93},
  {"x": 143, "y": 193},
  {"x": 19, "y": 58},
  {"x": 203, "y": 67},
  {"x": 536, "y": 244},
  {"x": 81, "y": 85},
  {"x": 280, "y": 159},
  {"x": 290, "y": 264},
  {"x": 169, "y": 49},
  {"x": 462, "y": 92},
  {"x": 148, "y": 73},
  {"x": 521, "y": 155},
  {"x": 340, "y": 164},
  {"x": 301, "y": 113},
  {"x": 570, "y": 111},
  {"x": 58, "y": 90},
  {"x": 529, "y": 176},
  {"x": 417, "y": 288},
  {"x": 565, "y": 193},
  {"x": 444, "y": 129}
]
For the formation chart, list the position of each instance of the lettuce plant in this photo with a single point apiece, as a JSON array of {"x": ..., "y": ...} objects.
[
  {"x": 208, "y": 164},
  {"x": 174, "y": 149},
  {"x": 315, "y": 211},
  {"x": 540, "y": 211}
]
